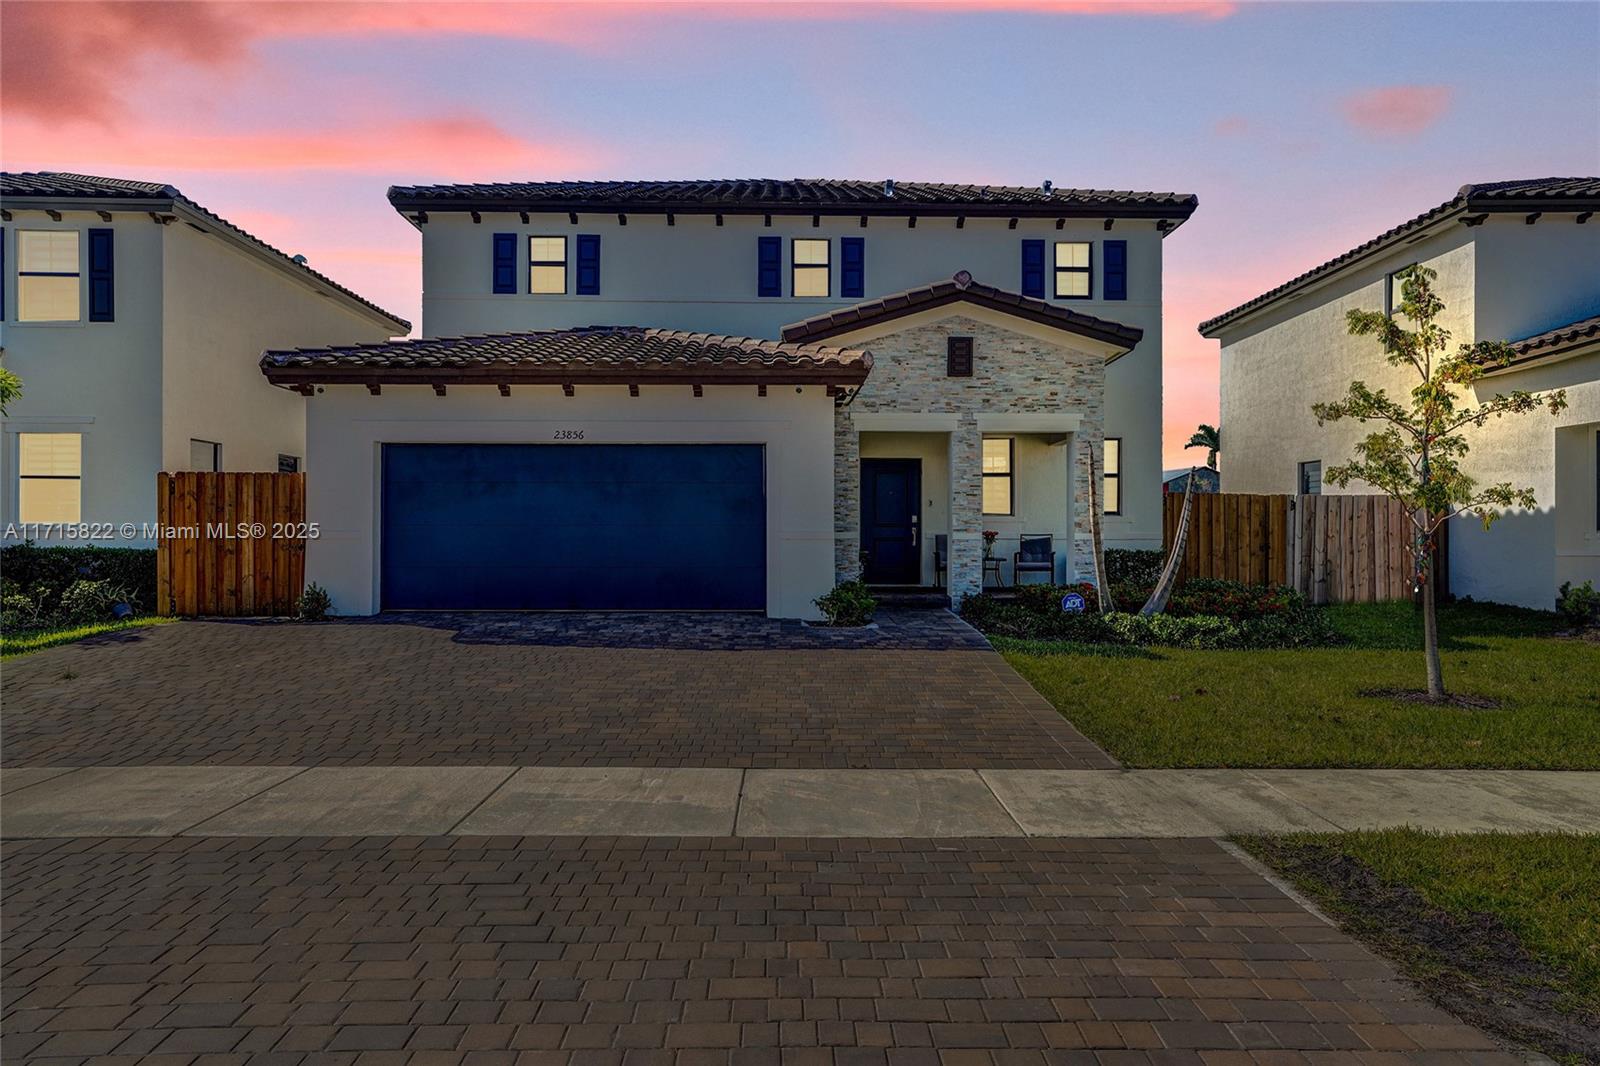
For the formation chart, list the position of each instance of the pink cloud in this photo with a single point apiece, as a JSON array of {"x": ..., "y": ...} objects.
[
  {"x": 83, "y": 71},
  {"x": 442, "y": 146},
  {"x": 1397, "y": 111},
  {"x": 1231, "y": 126}
]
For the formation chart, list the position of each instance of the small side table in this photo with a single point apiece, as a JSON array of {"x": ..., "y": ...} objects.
[{"x": 991, "y": 565}]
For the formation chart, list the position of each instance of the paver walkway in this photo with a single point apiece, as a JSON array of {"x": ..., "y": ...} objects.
[
  {"x": 668, "y": 952},
  {"x": 527, "y": 690}
]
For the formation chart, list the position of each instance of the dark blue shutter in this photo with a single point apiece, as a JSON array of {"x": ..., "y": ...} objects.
[
  {"x": 1033, "y": 269},
  {"x": 852, "y": 266},
  {"x": 505, "y": 262},
  {"x": 588, "y": 264},
  {"x": 1116, "y": 264},
  {"x": 102, "y": 294},
  {"x": 769, "y": 266}
]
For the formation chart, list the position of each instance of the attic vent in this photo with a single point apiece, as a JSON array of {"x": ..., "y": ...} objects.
[{"x": 888, "y": 188}]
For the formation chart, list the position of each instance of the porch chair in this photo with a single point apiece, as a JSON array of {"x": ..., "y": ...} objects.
[
  {"x": 941, "y": 557},
  {"x": 1037, "y": 555}
]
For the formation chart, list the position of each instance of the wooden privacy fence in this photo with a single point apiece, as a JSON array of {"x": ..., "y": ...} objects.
[
  {"x": 1334, "y": 549},
  {"x": 230, "y": 544}
]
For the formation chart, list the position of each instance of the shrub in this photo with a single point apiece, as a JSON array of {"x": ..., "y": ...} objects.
[
  {"x": 1581, "y": 605},
  {"x": 849, "y": 604},
  {"x": 20, "y": 611},
  {"x": 1138, "y": 568},
  {"x": 1233, "y": 599},
  {"x": 314, "y": 605},
  {"x": 90, "y": 601},
  {"x": 44, "y": 574}
]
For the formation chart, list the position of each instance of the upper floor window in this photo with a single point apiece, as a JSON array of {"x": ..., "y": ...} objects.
[
  {"x": 809, "y": 258},
  {"x": 1073, "y": 280},
  {"x": 1392, "y": 294},
  {"x": 1311, "y": 478},
  {"x": 204, "y": 455},
  {"x": 47, "y": 276},
  {"x": 547, "y": 265},
  {"x": 998, "y": 455},
  {"x": 49, "y": 477},
  {"x": 1113, "y": 476}
]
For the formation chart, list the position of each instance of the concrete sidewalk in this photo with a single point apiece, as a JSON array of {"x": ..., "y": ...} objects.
[{"x": 627, "y": 801}]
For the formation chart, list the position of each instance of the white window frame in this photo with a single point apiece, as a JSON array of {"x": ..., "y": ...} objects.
[
  {"x": 825, "y": 268},
  {"x": 565, "y": 263},
  {"x": 1086, "y": 271}
]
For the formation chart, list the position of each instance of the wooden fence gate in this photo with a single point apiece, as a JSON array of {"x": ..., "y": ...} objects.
[
  {"x": 1333, "y": 549},
  {"x": 231, "y": 544}
]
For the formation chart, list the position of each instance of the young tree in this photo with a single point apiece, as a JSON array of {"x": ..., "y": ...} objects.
[
  {"x": 10, "y": 388},
  {"x": 1416, "y": 458},
  {"x": 1209, "y": 438}
]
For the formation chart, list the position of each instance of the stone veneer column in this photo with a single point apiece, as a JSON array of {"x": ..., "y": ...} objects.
[
  {"x": 966, "y": 509},
  {"x": 846, "y": 497},
  {"x": 1085, "y": 442}
]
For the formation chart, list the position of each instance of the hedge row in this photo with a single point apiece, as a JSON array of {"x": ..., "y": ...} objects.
[{"x": 47, "y": 573}]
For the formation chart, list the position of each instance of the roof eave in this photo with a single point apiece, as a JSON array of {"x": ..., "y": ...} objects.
[
  {"x": 87, "y": 203},
  {"x": 509, "y": 374},
  {"x": 802, "y": 333}
]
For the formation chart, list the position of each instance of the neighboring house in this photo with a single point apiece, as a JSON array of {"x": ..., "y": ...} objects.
[
  {"x": 1516, "y": 260},
  {"x": 733, "y": 394},
  {"x": 136, "y": 319},
  {"x": 1205, "y": 480}
]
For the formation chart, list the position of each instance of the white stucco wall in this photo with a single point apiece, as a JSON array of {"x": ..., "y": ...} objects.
[
  {"x": 697, "y": 275},
  {"x": 346, "y": 427},
  {"x": 99, "y": 379},
  {"x": 1502, "y": 280},
  {"x": 223, "y": 308}
]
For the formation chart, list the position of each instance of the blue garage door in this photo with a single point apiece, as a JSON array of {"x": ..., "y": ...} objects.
[{"x": 574, "y": 527}]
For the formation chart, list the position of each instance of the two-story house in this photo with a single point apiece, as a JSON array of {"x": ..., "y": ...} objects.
[
  {"x": 1517, "y": 261},
  {"x": 732, "y": 394},
  {"x": 136, "y": 320}
]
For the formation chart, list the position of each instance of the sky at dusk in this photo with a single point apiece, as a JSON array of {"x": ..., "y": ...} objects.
[{"x": 1303, "y": 128}]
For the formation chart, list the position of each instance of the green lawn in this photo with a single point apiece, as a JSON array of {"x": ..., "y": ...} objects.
[
  {"x": 1168, "y": 707},
  {"x": 14, "y": 644},
  {"x": 1502, "y": 928}
]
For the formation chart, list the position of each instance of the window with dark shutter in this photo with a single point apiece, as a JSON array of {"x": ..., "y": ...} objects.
[
  {"x": 1033, "y": 269},
  {"x": 853, "y": 267},
  {"x": 102, "y": 293},
  {"x": 588, "y": 264},
  {"x": 769, "y": 266},
  {"x": 505, "y": 263},
  {"x": 1115, "y": 257},
  {"x": 958, "y": 357}
]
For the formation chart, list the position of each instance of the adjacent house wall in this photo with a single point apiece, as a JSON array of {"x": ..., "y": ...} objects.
[
  {"x": 223, "y": 308},
  {"x": 697, "y": 275},
  {"x": 99, "y": 379},
  {"x": 346, "y": 428}
]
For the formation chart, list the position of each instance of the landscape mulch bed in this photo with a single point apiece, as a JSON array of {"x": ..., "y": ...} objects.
[
  {"x": 1471, "y": 965},
  {"x": 1451, "y": 699}
]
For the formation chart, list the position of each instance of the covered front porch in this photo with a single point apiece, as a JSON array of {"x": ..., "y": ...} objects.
[{"x": 917, "y": 492}]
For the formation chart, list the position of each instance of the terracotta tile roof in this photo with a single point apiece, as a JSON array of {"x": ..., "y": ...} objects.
[
  {"x": 961, "y": 288},
  {"x": 52, "y": 185},
  {"x": 1530, "y": 195},
  {"x": 1559, "y": 341},
  {"x": 794, "y": 196},
  {"x": 612, "y": 354}
]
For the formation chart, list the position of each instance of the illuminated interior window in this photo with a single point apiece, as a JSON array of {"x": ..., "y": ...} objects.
[
  {"x": 50, "y": 477},
  {"x": 1112, "y": 483},
  {"x": 997, "y": 475},
  {"x": 47, "y": 276},
  {"x": 1072, "y": 270},
  {"x": 547, "y": 265},
  {"x": 810, "y": 267}
]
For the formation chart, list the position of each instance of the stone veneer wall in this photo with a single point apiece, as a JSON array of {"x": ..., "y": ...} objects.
[{"x": 1013, "y": 372}]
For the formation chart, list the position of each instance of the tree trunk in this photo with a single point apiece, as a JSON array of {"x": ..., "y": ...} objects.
[{"x": 1430, "y": 628}]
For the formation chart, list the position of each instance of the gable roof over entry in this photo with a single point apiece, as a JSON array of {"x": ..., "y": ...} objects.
[
  {"x": 609, "y": 355},
  {"x": 962, "y": 289}
]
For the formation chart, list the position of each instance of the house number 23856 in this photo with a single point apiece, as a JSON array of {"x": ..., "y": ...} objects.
[{"x": 569, "y": 434}]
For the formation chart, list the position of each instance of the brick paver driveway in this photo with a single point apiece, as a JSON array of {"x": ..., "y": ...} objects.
[
  {"x": 594, "y": 952},
  {"x": 923, "y": 690}
]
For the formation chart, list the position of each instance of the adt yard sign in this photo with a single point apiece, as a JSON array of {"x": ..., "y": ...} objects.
[{"x": 1072, "y": 601}]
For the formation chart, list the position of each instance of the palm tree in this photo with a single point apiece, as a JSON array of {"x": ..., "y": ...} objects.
[{"x": 1209, "y": 438}]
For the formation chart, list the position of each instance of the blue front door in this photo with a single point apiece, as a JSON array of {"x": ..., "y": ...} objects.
[
  {"x": 891, "y": 510},
  {"x": 574, "y": 527}
]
